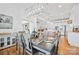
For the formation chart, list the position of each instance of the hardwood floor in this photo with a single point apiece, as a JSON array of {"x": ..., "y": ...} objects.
[
  {"x": 12, "y": 51},
  {"x": 64, "y": 48}
]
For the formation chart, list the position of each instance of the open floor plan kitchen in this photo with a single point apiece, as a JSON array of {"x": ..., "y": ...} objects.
[{"x": 39, "y": 28}]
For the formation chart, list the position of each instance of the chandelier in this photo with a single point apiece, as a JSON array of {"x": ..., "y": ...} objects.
[{"x": 36, "y": 9}]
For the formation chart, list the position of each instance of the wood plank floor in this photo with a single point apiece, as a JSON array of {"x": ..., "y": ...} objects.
[
  {"x": 12, "y": 51},
  {"x": 64, "y": 48}
]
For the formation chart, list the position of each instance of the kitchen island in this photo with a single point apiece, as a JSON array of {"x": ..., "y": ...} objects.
[
  {"x": 44, "y": 47},
  {"x": 73, "y": 38}
]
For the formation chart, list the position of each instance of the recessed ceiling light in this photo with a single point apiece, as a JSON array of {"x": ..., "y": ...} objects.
[
  {"x": 23, "y": 22},
  {"x": 59, "y": 6}
]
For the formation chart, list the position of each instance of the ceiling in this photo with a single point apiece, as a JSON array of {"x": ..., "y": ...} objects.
[
  {"x": 58, "y": 11},
  {"x": 50, "y": 11},
  {"x": 53, "y": 11}
]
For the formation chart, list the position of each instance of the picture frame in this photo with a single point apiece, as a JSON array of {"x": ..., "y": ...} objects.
[{"x": 6, "y": 22}]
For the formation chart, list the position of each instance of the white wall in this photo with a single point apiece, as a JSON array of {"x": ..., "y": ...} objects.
[
  {"x": 17, "y": 11},
  {"x": 75, "y": 15}
]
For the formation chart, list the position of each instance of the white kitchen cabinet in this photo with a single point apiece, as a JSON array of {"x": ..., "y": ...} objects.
[
  {"x": 7, "y": 40},
  {"x": 73, "y": 38}
]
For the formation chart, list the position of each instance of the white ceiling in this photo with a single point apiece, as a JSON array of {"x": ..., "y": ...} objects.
[
  {"x": 54, "y": 11},
  {"x": 57, "y": 12},
  {"x": 51, "y": 10}
]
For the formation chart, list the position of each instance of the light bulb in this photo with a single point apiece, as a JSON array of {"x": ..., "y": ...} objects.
[{"x": 59, "y": 6}]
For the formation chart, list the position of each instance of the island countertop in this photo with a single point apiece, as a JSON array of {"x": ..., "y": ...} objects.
[{"x": 45, "y": 47}]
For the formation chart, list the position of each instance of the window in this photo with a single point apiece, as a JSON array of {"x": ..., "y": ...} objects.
[
  {"x": 1, "y": 42},
  {"x": 8, "y": 40}
]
